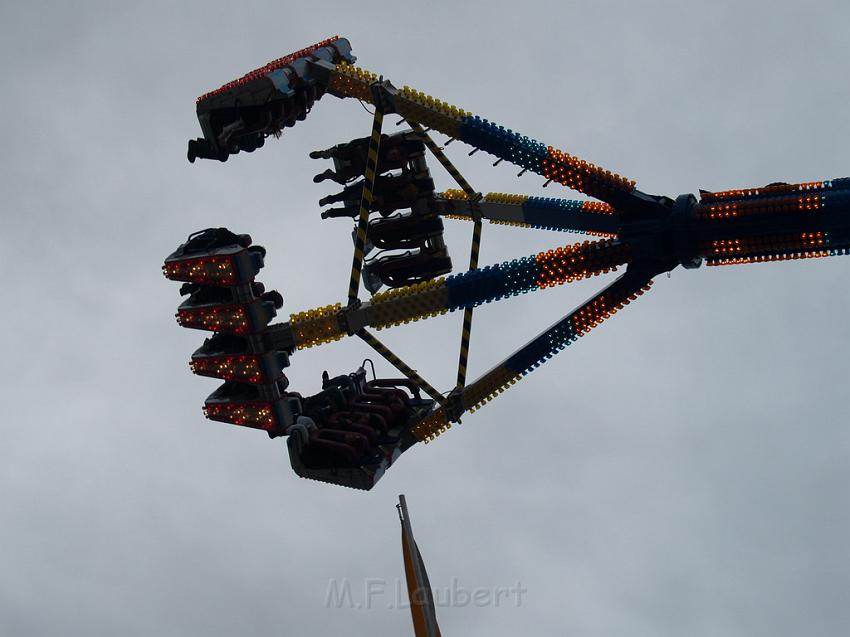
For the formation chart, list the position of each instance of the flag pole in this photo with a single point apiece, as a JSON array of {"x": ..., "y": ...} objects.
[{"x": 418, "y": 587}]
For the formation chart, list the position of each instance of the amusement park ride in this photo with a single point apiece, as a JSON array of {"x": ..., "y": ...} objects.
[{"x": 351, "y": 431}]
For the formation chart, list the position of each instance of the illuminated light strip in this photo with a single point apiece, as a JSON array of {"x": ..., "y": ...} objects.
[
  {"x": 317, "y": 326},
  {"x": 591, "y": 315},
  {"x": 810, "y": 202},
  {"x": 460, "y": 217},
  {"x": 431, "y": 426},
  {"x": 230, "y": 318},
  {"x": 209, "y": 270},
  {"x": 407, "y": 304},
  {"x": 268, "y": 68},
  {"x": 574, "y": 326},
  {"x": 519, "y": 276},
  {"x": 244, "y": 368},
  {"x": 772, "y": 205},
  {"x": 253, "y": 414},
  {"x": 416, "y": 106},
  {"x": 475, "y": 395},
  {"x": 552, "y": 341},
  {"x": 365, "y": 204},
  {"x": 578, "y": 261},
  {"x": 598, "y": 206},
  {"x": 519, "y": 224},
  {"x": 832, "y": 196},
  {"x": 407, "y": 290},
  {"x": 770, "y": 244},
  {"x": 403, "y": 312},
  {"x": 350, "y": 81},
  {"x": 503, "y": 197},
  {"x": 534, "y": 156},
  {"x": 491, "y": 283},
  {"x": 814, "y": 239},
  {"x": 454, "y": 194},
  {"x": 718, "y": 211},
  {"x": 765, "y": 258},
  {"x": 725, "y": 247},
  {"x": 583, "y": 176},
  {"x": 272, "y": 416},
  {"x": 488, "y": 387},
  {"x": 222, "y": 266},
  {"x": 766, "y": 191},
  {"x": 806, "y": 245},
  {"x": 538, "y": 158},
  {"x": 541, "y": 213},
  {"x": 503, "y": 143},
  {"x": 256, "y": 369},
  {"x": 553, "y": 214}
]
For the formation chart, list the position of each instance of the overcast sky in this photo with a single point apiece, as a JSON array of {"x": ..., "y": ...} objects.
[{"x": 682, "y": 471}]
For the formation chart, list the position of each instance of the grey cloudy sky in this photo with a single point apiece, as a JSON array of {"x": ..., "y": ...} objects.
[{"x": 684, "y": 471}]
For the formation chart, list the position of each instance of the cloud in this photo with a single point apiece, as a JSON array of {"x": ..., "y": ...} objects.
[{"x": 683, "y": 470}]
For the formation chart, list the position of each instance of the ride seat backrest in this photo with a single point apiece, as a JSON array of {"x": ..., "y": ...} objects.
[
  {"x": 356, "y": 441},
  {"x": 397, "y": 383},
  {"x": 359, "y": 425},
  {"x": 368, "y": 407},
  {"x": 388, "y": 397}
]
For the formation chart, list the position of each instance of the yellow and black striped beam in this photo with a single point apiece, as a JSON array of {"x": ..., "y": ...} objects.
[
  {"x": 544, "y": 346},
  {"x": 401, "y": 366},
  {"x": 475, "y": 249},
  {"x": 441, "y": 157},
  {"x": 346, "y": 80},
  {"x": 466, "y": 330},
  {"x": 365, "y": 203}
]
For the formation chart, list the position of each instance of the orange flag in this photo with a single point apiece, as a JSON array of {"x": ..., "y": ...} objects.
[{"x": 418, "y": 588}]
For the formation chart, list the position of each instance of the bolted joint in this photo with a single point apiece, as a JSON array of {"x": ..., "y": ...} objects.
[
  {"x": 660, "y": 232},
  {"x": 454, "y": 405},
  {"x": 383, "y": 95}
]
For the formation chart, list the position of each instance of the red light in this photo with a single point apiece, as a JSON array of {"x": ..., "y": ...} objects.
[
  {"x": 241, "y": 368},
  {"x": 232, "y": 319},
  {"x": 219, "y": 266},
  {"x": 212, "y": 270},
  {"x": 257, "y": 415},
  {"x": 268, "y": 68}
]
